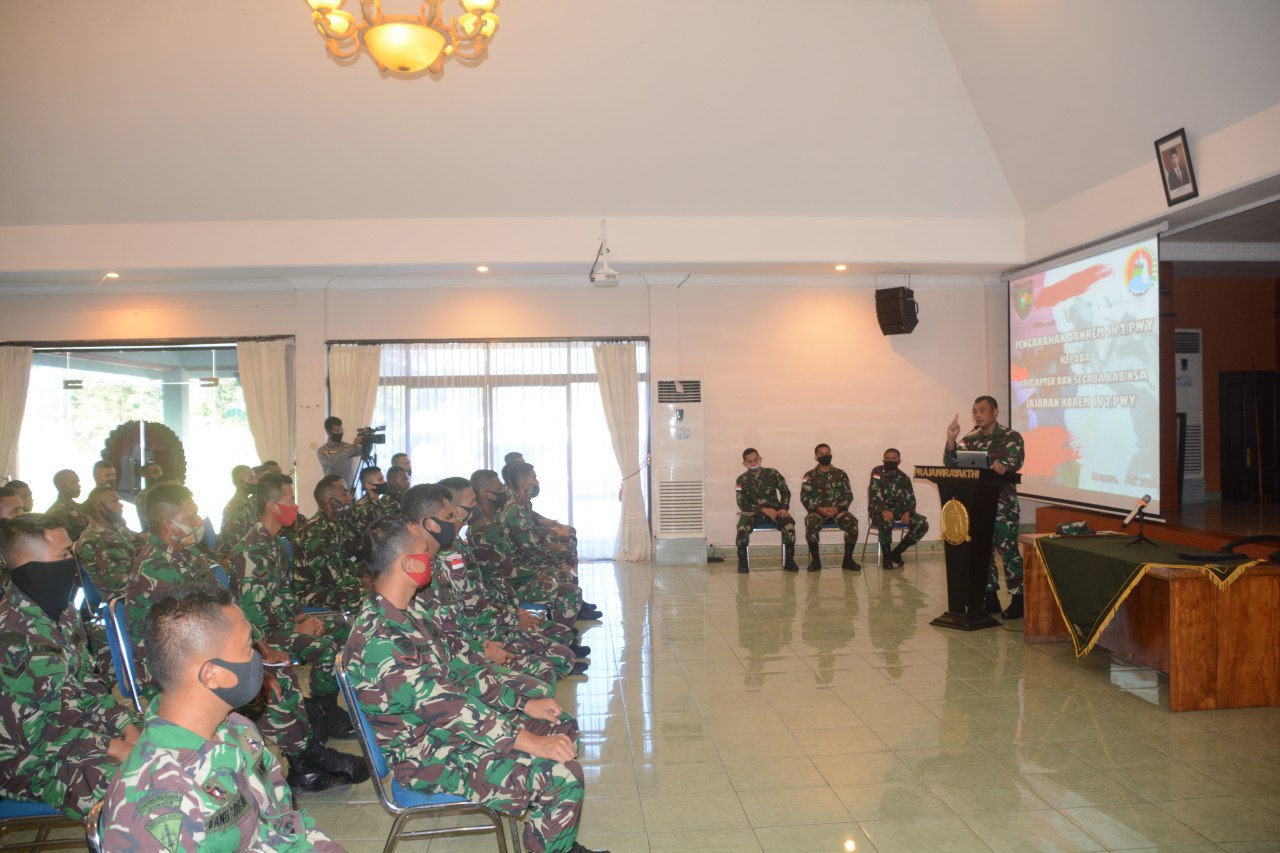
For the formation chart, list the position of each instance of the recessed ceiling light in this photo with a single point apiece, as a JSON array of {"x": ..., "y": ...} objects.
[
  {"x": 841, "y": 267},
  {"x": 482, "y": 269}
]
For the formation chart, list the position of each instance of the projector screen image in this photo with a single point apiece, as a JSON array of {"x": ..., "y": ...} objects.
[{"x": 1084, "y": 378}]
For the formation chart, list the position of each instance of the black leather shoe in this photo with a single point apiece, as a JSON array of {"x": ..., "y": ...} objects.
[
  {"x": 331, "y": 761},
  {"x": 580, "y": 651},
  {"x": 992, "y": 602},
  {"x": 588, "y": 614},
  {"x": 311, "y": 779},
  {"x": 327, "y": 719},
  {"x": 896, "y": 557},
  {"x": 1014, "y": 610},
  {"x": 815, "y": 561},
  {"x": 579, "y": 668}
]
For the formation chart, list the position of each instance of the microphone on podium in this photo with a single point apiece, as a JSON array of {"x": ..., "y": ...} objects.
[{"x": 1142, "y": 504}]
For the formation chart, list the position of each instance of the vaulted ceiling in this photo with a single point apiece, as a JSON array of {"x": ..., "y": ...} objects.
[{"x": 185, "y": 111}]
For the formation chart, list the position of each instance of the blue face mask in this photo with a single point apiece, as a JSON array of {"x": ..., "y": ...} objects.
[{"x": 248, "y": 684}]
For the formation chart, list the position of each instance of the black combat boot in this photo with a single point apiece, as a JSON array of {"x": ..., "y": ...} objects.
[
  {"x": 815, "y": 562},
  {"x": 588, "y": 613},
  {"x": 304, "y": 776},
  {"x": 742, "y": 560},
  {"x": 993, "y": 601},
  {"x": 895, "y": 556},
  {"x": 1014, "y": 610},
  {"x": 849, "y": 563},
  {"x": 317, "y": 757},
  {"x": 789, "y": 558},
  {"x": 580, "y": 651},
  {"x": 327, "y": 719}
]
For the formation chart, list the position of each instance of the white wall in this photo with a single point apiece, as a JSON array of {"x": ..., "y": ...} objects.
[{"x": 784, "y": 364}]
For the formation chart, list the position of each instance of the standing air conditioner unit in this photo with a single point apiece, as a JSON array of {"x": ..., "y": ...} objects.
[
  {"x": 680, "y": 524},
  {"x": 1189, "y": 380}
]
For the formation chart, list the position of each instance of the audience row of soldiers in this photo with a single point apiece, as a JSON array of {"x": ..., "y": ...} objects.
[{"x": 456, "y": 675}]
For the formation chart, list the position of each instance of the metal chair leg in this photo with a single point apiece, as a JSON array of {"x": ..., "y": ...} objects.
[{"x": 517, "y": 844}]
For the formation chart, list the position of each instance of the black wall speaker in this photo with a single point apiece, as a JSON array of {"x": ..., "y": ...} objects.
[{"x": 896, "y": 310}]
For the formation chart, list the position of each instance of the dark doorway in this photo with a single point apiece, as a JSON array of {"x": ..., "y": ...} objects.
[{"x": 1249, "y": 410}]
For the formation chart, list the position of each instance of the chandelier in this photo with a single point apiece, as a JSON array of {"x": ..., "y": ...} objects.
[{"x": 407, "y": 45}]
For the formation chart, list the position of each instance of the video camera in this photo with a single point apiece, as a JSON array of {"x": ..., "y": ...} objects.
[{"x": 368, "y": 437}]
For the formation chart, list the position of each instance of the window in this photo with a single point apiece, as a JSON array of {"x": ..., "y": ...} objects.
[
  {"x": 457, "y": 407},
  {"x": 79, "y": 397}
]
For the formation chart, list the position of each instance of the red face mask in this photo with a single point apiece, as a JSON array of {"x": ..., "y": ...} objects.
[
  {"x": 286, "y": 515},
  {"x": 423, "y": 577}
]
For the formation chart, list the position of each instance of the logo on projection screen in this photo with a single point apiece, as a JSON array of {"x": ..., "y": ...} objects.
[
  {"x": 1140, "y": 271},
  {"x": 1023, "y": 297}
]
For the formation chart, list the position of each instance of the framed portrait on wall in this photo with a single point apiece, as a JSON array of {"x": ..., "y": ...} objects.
[{"x": 1174, "y": 159}]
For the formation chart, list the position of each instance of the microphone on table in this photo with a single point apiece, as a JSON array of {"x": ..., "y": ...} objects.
[{"x": 1142, "y": 503}]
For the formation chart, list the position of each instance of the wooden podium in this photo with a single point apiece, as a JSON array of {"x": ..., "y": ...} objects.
[{"x": 969, "y": 500}]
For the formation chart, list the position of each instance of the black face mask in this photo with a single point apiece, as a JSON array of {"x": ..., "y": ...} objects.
[
  {"x": 498, "y": 498},
  {"x": 249, "y": 681},
  {"x": 49, "y": 585},
  {"x": 335, "y": 437},
  {"x": 448, "y": 532},
  {"x": 379, "y": 488},
  {"x": 468, "y": 510},
  {"x": 825, "y": 459},
  {"x": 891, "y": 466},
  {"x": 537, "y": 488}
]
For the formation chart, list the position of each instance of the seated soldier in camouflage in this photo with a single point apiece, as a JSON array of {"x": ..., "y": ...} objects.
[
  {"x": 106, "y": 548},
  {"x": 10, "y": 504},
  {"x": 375, "y": 502},
  {"x": 473, "y": 738},
  {"x": 891, "y": 498},
  {"x": 239, "y": 513},
  {"x": 63, "y": 734},
  {"x": 826, "y": 494},
  {"x": 495, "y": 607},
  {"x": 441, "y": 605},
  {"x": 200, "y": 776},
  {"x": 260, "y": 579},
  {"x": 562, "y": 537},
  {"x": 326, "y": 570},
  {"x": 524, "y": 541},
  {"x": 73, "y": 516},
  {"x": 168, "y": 560},
  {"x": 563, "y": 599},
  {"x": 763, "y": 498}
]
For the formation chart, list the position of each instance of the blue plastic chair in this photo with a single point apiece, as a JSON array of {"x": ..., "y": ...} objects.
[
  {"x": 122, "y": 659},
  {"x": 24, "y": 816},
  {"x": 539, "y": 610},
  {"x": 404, "y": 803},
  {"x": 210, "y": 536},
  {"x": 221, "y": 574}
]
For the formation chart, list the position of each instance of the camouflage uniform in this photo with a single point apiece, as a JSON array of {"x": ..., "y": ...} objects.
[
  {"x": 495, "y": 557},
  {"x": 763, "y": 488},
  {"x": 159, "y": 568},
  {"x": 57, "y": 714},
  {"x": 107, "y": 553},
  {"x": 1004, "y": 446},
  {"x": 260, "y": 579},
  {"x": 527, "y": 540},
  {"x": 237, "y": 517},
  {"x": 178, "y": 791},
  {"x": 325, "y": 569},
  {"x": 826, "y": 489},
  {"x": 892, "y": 491},
  {"x": 497, "y": 604},
  {"x": 369, "y": 509},
  {"x": 438, "y": 605},
  {"x": 479, "y": 617},
  {"x": 74, "y": 517},
  {"x": 440, "y": 733}
]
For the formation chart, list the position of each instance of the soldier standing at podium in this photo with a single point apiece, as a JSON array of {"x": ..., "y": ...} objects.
[{"x": 1005, "y": 453}]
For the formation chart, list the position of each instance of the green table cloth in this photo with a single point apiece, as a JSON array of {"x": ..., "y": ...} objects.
[{"x": 1090, "y": 577}]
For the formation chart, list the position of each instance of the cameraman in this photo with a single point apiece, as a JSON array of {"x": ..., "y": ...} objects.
[{"x": 337, "y": 457}]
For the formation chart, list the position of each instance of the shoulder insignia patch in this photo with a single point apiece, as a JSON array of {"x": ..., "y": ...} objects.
[{"x": 167, "y": 831}]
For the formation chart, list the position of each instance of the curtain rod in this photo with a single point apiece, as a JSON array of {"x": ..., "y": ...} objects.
[
  {"x": 144, "y": 342},
  {"x": 605, "y": 340}
]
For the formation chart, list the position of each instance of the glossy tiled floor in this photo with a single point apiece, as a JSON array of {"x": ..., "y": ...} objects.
[{"x": 822, "y": 712}]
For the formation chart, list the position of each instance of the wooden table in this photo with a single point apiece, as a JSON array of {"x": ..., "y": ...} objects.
[{"x": 1220, "y": 648}]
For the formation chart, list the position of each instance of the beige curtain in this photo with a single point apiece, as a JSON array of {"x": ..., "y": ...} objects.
[
  {"x": 353, "y": 383},
  {"x": 15, "y": 375},
  {"x": 267, "y": 380},
  {"x": 619, "y": 392}
]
